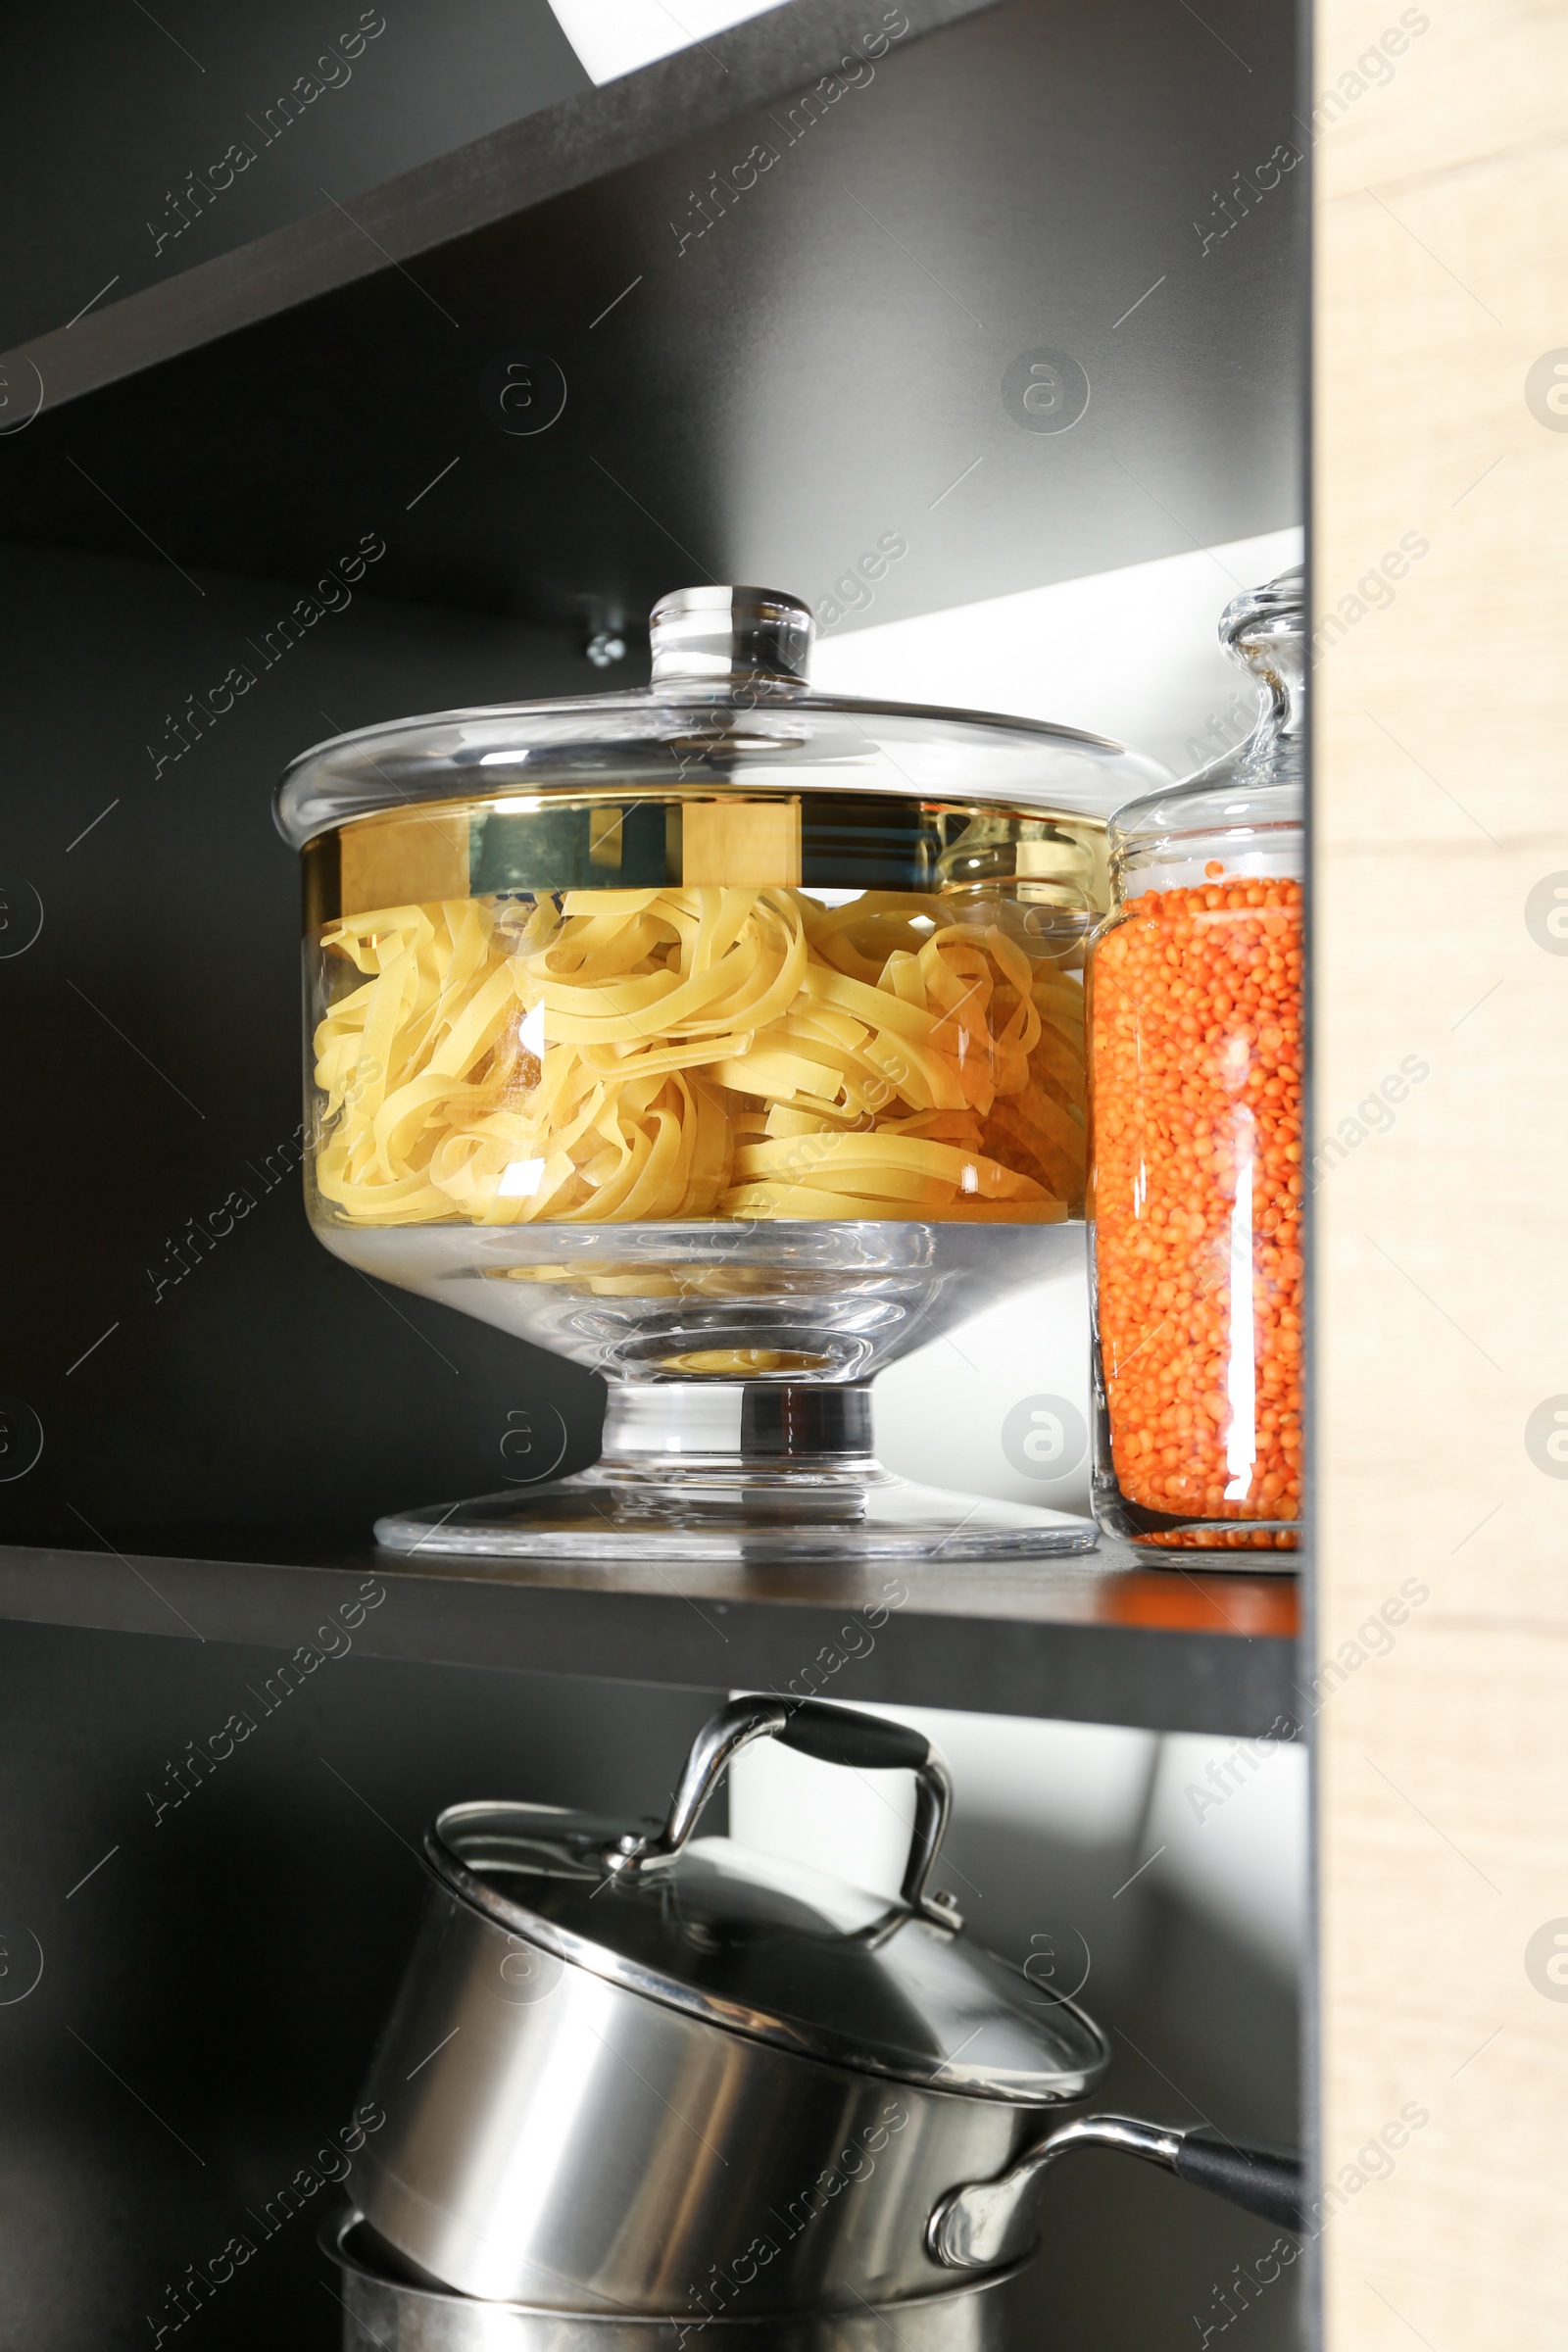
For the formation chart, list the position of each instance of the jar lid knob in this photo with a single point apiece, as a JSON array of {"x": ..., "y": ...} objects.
[
  {"x": 1261, "y": 619},
  {"x": 714, "y": 636}
]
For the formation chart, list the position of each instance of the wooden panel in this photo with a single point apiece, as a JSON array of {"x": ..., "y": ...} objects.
[{"x": 1441, "y": 709}]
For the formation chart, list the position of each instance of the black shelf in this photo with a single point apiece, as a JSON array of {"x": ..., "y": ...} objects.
[
  {"x": 760, "y": 382},
  {"x": 1101, "y": 1639}
]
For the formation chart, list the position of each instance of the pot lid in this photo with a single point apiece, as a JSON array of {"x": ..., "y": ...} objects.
[
  {"x": 768, "y": 1949},
  {"x": 728, "y": 705}
]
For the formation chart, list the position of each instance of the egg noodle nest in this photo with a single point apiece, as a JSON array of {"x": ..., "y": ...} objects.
[{"x": 617, "y": 1054}]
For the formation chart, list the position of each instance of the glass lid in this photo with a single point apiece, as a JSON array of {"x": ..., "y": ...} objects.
[
  {"x": 769, "y": 1949},
  {"x": 1258, "y": 788},
  {"x": 730, "y": 705}
]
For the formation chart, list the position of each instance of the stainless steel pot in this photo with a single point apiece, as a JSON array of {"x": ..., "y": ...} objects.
[
  {"x": 387, "y": 2306},
  {"x": 630, "y": 2072}
]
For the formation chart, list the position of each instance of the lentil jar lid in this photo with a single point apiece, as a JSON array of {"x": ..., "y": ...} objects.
[
  {"x": 730, "y": 705},
  {"x": 1249, "y": 803}
]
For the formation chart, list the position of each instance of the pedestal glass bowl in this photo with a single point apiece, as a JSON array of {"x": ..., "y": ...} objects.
[{"x": 720, "y": 1036}]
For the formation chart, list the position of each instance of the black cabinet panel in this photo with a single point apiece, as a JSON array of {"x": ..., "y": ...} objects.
[
  {"x": 1018, "y": 299},
  {"x": 192, "y": 1983},
  {"x": 137, "y": 143},
  {"x": 152, "y": 1048}
]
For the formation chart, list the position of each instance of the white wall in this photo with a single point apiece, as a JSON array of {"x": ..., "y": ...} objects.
[
  {"x": 941, "y": 1411},
  {"x": 1077, "y": 1808},
  {"x": 613, "y": 38},
  {"x": 1129, "y": 653},
  {"x": 1133, "y": 654}
]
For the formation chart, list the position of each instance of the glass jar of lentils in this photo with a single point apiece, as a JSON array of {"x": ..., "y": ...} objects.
[{"x": 1198, "y": 1158}]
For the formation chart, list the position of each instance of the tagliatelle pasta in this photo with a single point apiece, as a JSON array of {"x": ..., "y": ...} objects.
[{"x": 696, "y": 1052}]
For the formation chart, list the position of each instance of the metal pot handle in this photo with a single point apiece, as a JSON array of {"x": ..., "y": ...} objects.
[
  {"x": 992, "y": 2222},
  {"x": 834, "y": 1735}
]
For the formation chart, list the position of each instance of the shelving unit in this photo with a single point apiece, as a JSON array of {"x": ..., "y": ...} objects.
[
  {"x": 762, "y": 380},
  {"x": 824, "y": 364},
  {"x": 1102, "y": 1640}
]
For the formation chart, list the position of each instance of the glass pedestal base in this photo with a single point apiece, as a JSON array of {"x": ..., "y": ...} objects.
[{"x": 736, "y": 1471}]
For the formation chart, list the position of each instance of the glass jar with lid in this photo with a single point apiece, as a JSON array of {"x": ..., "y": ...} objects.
[
  {"x": 1196, "y": 1016},
  {"x": 724, "y": 1037}
]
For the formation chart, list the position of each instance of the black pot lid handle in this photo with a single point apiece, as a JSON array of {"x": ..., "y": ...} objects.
[{"x": 833, "y": 1735}]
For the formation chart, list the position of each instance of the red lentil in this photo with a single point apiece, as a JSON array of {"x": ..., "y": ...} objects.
[{"x": 1195, "y": 1018}]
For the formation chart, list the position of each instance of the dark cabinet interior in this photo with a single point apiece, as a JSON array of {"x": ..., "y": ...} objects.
[{"x": 765, "y": 369}]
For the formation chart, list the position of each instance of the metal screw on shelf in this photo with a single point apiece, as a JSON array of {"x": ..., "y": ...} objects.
[{"x": 605, "y": 646}]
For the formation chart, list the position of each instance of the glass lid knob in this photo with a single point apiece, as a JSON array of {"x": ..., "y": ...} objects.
[
  {"x": 1264, "y": 629},
  {"x": 714, "y": 636}
]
